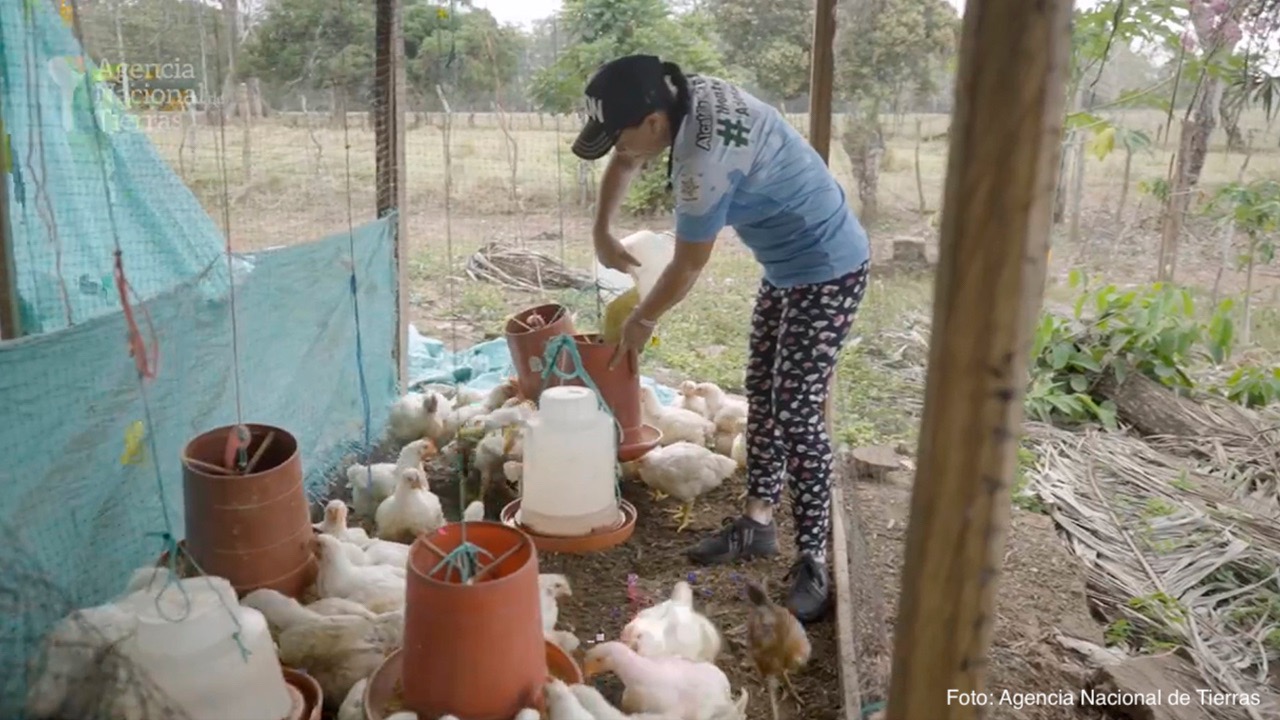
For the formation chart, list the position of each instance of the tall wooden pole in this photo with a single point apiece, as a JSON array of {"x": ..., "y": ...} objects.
[
  {"x": 389, "y": 112},
  {"x": 1006, "y": 134},
  {"x": 822, "y": 71},
  {"x": 821, "y": 95},
  {"x": 10, "y": 311}
]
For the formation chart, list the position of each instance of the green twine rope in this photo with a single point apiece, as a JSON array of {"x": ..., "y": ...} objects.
[
  {"x": 465, "y": 559},
  {"x": 564, "y": 345},
  {"x": 172, "y": 550}
]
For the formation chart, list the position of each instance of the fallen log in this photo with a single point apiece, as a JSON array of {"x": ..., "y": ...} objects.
[{"x": 1153, "y": 409}]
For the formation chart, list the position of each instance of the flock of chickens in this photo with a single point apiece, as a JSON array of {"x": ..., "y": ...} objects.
[
  {"x": 665, "y": 656},
  {"x": 703, "y": 444}
]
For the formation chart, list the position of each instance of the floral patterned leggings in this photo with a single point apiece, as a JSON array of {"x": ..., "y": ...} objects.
[{"x": 796, "y": 336}]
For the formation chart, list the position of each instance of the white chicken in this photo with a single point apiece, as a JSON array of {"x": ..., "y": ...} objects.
[
  {"x": 500, "y": 394},
  {"x": 673, "y": 628},
  {"x": 371, "y": 484},
  {"x": 377, "y": 587},
  {"x": 738, "y": 452},
  {"x": 78, "y": 663},
  {"x": 419, "y": 415},
  {"x": 283, "y": 612},
  {"x": 411, "y": 510},
  {"x": 684, "y": 471},
  {"x": 687, "y": 397},
  {"x": 460, "y": 417},
  {"x": 336, "y": 513},
  {"x": 494, "y": 451},
  {"x": 388, "y": 553},
  {"x": 683, "y": 689},
  {"x": 562, "y": 704},
  {"x": 727, "y": 431},
  {"x": 717, "y": 398},
  {"x": 676, "y": 423},
  {"x": 337, "y": 650},
  {"x": 552, "y": 588},
  {"x": 459, "y": 394},
  {"x": 352, "y": 707},
  {"x": 474, "y": 511},
  {"x": 593, "y": 702}
]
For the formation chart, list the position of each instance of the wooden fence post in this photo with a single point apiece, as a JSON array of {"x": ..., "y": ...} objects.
[{"x": 1005, "y": 143}]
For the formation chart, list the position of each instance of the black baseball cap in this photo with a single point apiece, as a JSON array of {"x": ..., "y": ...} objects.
[{"x": 621, "y": 94}]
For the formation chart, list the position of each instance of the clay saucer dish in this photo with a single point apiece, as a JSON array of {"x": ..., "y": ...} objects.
[
  {"x": 384, "y": 684},
  {"x": 595, "y": 541},
  {"x": 308, "y": 698},
  {"x": 641, "y": 442}
]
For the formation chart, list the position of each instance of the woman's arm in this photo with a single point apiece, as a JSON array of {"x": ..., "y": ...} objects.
[
  {"x": 613, "y": 187},
  {"x": 676, "y": 280}
]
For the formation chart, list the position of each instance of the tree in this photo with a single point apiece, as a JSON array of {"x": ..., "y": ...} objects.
[
  {"x": 594, "y": 31},
  {"x": 768, "y": 41},
  {"x": 317, "y": 44},
  {"x": 1255, "y": 210},
  {"x": 898, "y": 46},
  {"x": 313, "y": 45},
  {"x": 463, "y": 49}
]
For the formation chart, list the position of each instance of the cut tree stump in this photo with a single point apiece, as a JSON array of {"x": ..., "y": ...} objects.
[
  {"x": 1143, "y": 677},
  {"x": 910, "y": 254},
  {"x": 874, "y": 462}
]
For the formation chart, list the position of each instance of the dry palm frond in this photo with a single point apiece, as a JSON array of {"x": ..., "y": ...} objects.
[
  {"x": 1171, "y": 551},
  {"x": 523, "y": 269}
]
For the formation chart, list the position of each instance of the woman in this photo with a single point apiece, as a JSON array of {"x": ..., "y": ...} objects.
[{"x": 735, "y": 161}]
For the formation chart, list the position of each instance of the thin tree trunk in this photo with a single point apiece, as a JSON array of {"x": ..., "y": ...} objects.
[
  {"x": 1228, "y": 234},
  {"x": 1124, "y": 185},
  {"x": 1248, "y": 290},
  {"x": 1193, "y": 148},
  {"x": 1077, "y": 196},
  {"x": 924, "y": 208}
]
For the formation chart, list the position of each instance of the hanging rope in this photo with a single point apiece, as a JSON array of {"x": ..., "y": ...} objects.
[
  {"x": 366, "y": 409},
  {"x": 145, "y": 362},
  {"x": 465, "y": 559}
]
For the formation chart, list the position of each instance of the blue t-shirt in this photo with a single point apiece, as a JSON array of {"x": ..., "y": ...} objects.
[{"x": 737, "y": 162}]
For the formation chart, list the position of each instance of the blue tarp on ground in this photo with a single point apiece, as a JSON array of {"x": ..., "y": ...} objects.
[{"x": 480, "y": 366}]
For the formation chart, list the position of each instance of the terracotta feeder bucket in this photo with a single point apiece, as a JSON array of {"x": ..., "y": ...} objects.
[
  {"x": 620, "y": 390},
  {"x": 473, "y": 642},
  {"x": 246, "y": 512},
  {"x": 528, "y": 333}
]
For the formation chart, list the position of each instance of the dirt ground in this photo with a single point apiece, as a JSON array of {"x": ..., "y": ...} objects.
[
  {"x": 600, "y": 605},
  {"x": 1042, "y": 589}
]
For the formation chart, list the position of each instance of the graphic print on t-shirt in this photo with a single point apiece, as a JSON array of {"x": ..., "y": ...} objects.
[{"x": 736, "y": 161}]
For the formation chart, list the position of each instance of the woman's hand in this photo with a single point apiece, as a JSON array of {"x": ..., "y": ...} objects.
[
  {"x": 636, "y": 333},
  {"x": 610, "y": 252}
]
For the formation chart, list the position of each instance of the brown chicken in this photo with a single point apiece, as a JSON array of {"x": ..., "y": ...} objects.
[{"x": 777, "y": 643}]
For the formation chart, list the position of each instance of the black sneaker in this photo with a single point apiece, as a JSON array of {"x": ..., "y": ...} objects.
[
  {"x": 738, "y": 538},
  {"x": 810, "y": 596}
]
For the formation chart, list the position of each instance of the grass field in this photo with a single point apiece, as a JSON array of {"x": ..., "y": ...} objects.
[{"x": 301, "y": 183}]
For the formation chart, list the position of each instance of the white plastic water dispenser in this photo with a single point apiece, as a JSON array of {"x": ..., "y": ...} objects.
[
  {"x": 569, "y": 487},
  {"x": 186, "y": 644}
]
